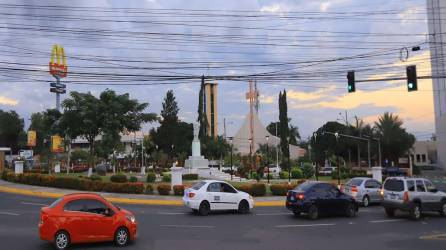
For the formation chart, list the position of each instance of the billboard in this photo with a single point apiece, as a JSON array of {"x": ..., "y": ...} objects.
[
  {"x": 32, "y": 136},
  {"x": 56, "y": 144}
]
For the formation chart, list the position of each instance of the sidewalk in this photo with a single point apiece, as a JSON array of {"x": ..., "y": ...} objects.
[{"x": 143, "y": 199}]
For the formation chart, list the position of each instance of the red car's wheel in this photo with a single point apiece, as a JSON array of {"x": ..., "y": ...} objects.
[
  {"x": 62, "y": 240},
  {"x": 122, "y": 237}
]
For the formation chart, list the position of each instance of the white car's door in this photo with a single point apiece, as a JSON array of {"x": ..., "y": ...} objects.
[
  {"x": 215, "y": 197},
  {"x": 231, "y": 196}
]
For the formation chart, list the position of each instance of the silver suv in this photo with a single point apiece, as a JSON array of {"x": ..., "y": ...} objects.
[{"x": 414, "y": 195}]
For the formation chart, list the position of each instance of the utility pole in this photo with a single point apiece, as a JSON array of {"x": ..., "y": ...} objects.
[
  {"x": 277, "y": 148},
  {"x": 224, "y": 128},
  {"x": 142, "y": 151}
]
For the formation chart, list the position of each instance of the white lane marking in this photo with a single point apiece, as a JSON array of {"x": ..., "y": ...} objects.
[
  {"x": 171, "y": 213},
  {"x": 384, "y": 221},
  {"x": 34, "y": 204},
  {"x": 187, "y": 226},
  {"x": 8, "y": 213},
  {"x": 305, "y": 225},
  {"x": 272, "y": 214}
]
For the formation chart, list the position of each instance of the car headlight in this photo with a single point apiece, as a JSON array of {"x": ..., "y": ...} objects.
[{"x": 131, "y": 218}]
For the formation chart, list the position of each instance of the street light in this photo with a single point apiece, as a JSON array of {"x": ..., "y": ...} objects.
[
  {"x": 230, "y": 141},
  {"x": 267, "y": 160}
]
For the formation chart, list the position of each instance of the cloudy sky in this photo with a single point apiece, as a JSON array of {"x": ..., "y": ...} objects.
[{"x": 148, "y": 47}]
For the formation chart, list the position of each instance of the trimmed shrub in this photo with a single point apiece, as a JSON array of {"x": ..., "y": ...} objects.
[
  {"x": 258, "y": 189},
  {"x": 163, "y": 189},
  {"x": 281, "y": 189},
  {"x": 4, "y": 174},
  {"x": 190, "y": 177},
  {"x": 296, "y": 173},
  {"x": 254, "y": 176},
  {"x": 245, "y": 188},
  {"x": 308, "y": 170},
  {"x": 133, "y": 179},
  {"x": 178, "y": 190},
  {"x": 151, "y": 177},
  {"x": 283, "y": 175},
  {"x": 118, "y": 178},
  {"x": 167, "y": 178},
  {"x": 149, "y": 189},
  {"x": 95, "y": 177}
]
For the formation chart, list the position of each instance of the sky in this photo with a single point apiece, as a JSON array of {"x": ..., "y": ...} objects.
[{"x": 305, "y": 47}]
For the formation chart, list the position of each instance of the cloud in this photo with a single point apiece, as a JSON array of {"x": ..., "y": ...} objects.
[
  {"x": 274, "y": 8},
  {"x": 8, "y": 101},
  {"x": 267, "y": 99},
  {"x": 324, "y": 6},
  {"x": 309, "y": 96}
]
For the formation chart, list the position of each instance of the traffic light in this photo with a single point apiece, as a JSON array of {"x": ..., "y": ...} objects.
[
  {"x": 351, "y": 81},
  {"x": 411, "y": 72}
]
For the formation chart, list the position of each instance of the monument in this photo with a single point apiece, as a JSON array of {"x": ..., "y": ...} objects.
[{"x": 196, "y": 162}]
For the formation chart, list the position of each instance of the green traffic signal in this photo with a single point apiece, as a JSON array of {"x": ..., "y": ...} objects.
[
  {"x": 411, "y": 72},
  {"x": 351, "y": 81}
]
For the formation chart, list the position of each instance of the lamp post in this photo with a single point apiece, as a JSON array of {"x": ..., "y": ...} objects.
[
  {"x": 289, "y": 164},
  {"x": 250, "y": 158},
  {"x": 267, "y": 159},
  {"x": 309, "y": 148},
  {"x": 230, "y": 141}
]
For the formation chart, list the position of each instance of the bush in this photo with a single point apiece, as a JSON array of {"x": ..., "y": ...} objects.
[
  {"x": 190, "y": 177},
  {"x": 95, "y": 177},
  {"x": 258, "y": 189},
  {"x": 244, "y": 188},
  {"x": 133, "y": 179},
  {"x": 119, "y": 178},
  {"x": 296, "y": 173},
  {"x": 334, "y": 175},
  {"x": 101, "y": 170},
  {"x": 167, "y": 178},
  {"x": 281, "y": 189},
  {"x": 357, "y": 173},
  {"x": 4, "y": 174},
  {"x": 283, "y": 175},
  {"x": 163, "y": 189},
  {"x": 178, "y": 190},
  {"x": 254, "y": 176},
  {"x": 151, "y": 177},
  {"x": 308, "y": 170},
  {"x": 149, "y": 189}
]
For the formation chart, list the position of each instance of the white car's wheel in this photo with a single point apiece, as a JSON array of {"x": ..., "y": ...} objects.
[
  {"x": 243, "y": 207},
  {"x": 205, "y": 208}
]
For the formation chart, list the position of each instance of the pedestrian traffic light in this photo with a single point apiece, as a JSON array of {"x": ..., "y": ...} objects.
[
  {"x": 411, "y": 72},
  {"x": 351, "y": 81}
]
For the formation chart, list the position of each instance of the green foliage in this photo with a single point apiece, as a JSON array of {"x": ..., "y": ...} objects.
[
  {"x": 11, "y": 130},
  {"x": 95, "y": 177},
  {"x": 215, "y": 148},
  {"x": 149, "y": 189},
  {"x": 296, "y": 173},
  {"x": 151, "y": 177},
  {"x": 45, "y": 124},
  {"x": 254, "y": 176},
  {"x": 133, "y": 179},
  {"x": 79, "y": 155},
  {"x": 119, "y": 178},
  {"x": 416, "y": 170},
  {"x": 167, "y": 178},
  {"x": 190, "y": 177},
  {"x": 308, "y": 170},
  {"x": 255, "y": 189},
  {"x": 281, "y": 189},
  {"x": 293, "y": 131},
  {"x": 163, "y": 189},
  {"x": 178, "y": 190},
  {"x": 283, "y": 175},
  {"x": 283, "y": 127}
]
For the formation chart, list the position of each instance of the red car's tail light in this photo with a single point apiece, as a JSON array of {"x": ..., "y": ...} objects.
[{"x": 191, "y": 195}]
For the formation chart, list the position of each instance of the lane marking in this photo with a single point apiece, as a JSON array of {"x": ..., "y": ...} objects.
[
  {"x": 384, "y": 221},
  {"x": 172, "y": 213},
  {"x": 305, "y": 225},
  {"x": 434, "y": 237},
  {"x": 9, "y": 213},
  {"x": 187, "y": 226},
  {"x": 34, "y": 204},
  {"x": 273, "y": 214}
]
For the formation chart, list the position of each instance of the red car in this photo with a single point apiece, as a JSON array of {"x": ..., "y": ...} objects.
[{"x": 85, "y": 217}]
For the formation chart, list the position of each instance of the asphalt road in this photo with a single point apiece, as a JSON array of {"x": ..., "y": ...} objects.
[{"x": 163, "y": 227}]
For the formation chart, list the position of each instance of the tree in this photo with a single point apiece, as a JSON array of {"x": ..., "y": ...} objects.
[
  {"x": 325, "y": 145},
  {"x": 11, "y": 130},
  {"x": 293, "y": 131},
  {"x": 215, "y": 148},
  {"x": 46, "y": 124},
  {"x": 170, "y": 109},
  {"x": 395, "y": 141},
  {"x": 283, "y": 127}
]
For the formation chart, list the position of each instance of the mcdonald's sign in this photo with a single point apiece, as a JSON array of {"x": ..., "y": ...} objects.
[{"x": 58, "y": 62}]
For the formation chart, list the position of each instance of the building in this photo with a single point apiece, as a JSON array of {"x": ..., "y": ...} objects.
[
  {"x": 424, "y": 153},
  {"x": 437, "y": 41},
  {"x": 210, "y": 107}
]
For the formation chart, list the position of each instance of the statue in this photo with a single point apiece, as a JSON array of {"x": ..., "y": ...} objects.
[{"x": 196, "y": 130}]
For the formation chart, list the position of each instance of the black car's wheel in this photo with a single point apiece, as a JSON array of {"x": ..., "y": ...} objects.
[
  {"x": 122, "y": 237},
  {"x": 243, "y": 207},
  {"x": 62, "y": 240},
  {"x": 313, "y": 212},
  {"x": 390, "y": 212},
  {"x": 415, "y": 212},
  {"x": 366, "y": 201},
  {"x": 296, "y": 213},
  {"x": 443, "y": 208},
  {"x": 205, "y": 208},
  {"x": 351, "y": 210}
]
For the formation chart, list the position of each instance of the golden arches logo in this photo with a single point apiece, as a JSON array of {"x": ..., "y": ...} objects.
[{"x": 58, "y": 61}]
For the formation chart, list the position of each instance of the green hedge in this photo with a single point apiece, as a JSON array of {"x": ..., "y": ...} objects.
[
  {"x": 151, "y": 177},
  {"x": 255, "y": 189},
  {"x": 119, "y": 178},
  {"x": 95, "y": 177},
  {"x": 163, "y": 189},
  {"x": 281, "y": 189},
  {"x": 190, "y": 177},
  {"x": 167, "y": 178},
  {"x": 178, "y": 190},
  {"x": 133, "y": 179},
  {"x": 296, "y": 173},
  {"x": 283, "y": 175}
]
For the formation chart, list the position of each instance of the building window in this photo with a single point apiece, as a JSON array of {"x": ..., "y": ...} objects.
[
  {"x": 418, "y": 158},
  {"x": 423, "y": 157}
]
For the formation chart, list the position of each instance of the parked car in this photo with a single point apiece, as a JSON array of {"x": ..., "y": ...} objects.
[
  {"x": 317, "y": 198},
  {"x": 85, "y": 217},
  {"x": 206, "y": 196},
  {"x": 326, "y": 170},
  {"x": 415, "y": 195},
  {"x": 365, "y": 190}
]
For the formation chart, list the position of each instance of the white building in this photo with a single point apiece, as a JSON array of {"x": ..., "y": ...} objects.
[
  {"x": 424, "y": 153},
  {"x": 437, "y": 38}
]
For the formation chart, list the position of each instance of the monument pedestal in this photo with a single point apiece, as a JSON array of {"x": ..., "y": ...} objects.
[
  {"x": 196, "y": 163},
  {"x": 177, "y": 176}
]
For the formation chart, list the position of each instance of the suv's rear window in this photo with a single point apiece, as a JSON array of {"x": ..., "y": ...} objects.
[
  {"x": 198, "y": 185},
  {"x": 394, "y": 185},
  {"x": 355, "y": 182}
]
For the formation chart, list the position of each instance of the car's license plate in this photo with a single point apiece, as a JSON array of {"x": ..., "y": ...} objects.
[
  {"x": 291, "y": 198},
  {"x": 392, "y": 196}
]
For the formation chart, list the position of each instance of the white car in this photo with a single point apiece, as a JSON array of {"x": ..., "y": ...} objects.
[{"x": 206, "y": 196}]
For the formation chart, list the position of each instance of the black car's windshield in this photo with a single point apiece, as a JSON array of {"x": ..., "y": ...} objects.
[{"x": 394, "y": 185}]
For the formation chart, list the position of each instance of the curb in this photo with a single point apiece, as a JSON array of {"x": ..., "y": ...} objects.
[{"x": 178, "y": 202}]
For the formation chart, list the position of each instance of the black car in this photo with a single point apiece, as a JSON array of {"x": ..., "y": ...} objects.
[{"x": 318, "y": 198}]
